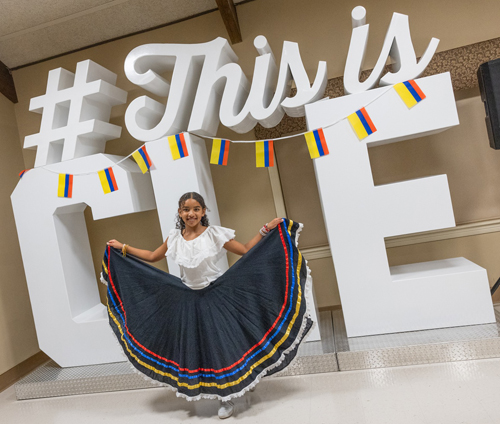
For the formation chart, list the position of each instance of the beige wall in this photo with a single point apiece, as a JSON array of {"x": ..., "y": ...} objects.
[
  {"x": 322, "y": 29},
  {"x": 17, "y": 329},
  {"x": 326, "y": 290}
]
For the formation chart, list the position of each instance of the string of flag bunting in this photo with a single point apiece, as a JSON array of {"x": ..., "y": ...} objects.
[{"x": 361, "y": 123}]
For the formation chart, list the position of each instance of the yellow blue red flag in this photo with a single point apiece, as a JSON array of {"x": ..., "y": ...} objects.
[
  {"x": 264, "y": 153},
  {"x": 65, "y": 187},
  {"x": 316, "y": 143},
  {"x": 410, "y": 93},
  {"x": 361, "y": 123},
  {"x": 142, "y": 158},
  {"x": 220, "y": 151},
  {"x": 108, "y": 182},
  {"x": 178, "y": 146}
]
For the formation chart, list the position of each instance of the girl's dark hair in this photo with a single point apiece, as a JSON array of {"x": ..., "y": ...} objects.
[{"x": 195, "y": 196}]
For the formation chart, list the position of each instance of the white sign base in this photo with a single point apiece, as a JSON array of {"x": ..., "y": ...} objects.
[{"x": 461, "y": 282}]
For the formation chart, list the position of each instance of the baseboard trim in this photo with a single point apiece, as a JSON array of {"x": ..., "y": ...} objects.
[
  {"x": 13, "y": 375},
  {"x": 329, "y": 308}
]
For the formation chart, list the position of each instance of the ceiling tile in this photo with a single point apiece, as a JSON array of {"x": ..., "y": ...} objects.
[
  {"x": 18, "y": 15},
  {"x": 62, "y": 26}
]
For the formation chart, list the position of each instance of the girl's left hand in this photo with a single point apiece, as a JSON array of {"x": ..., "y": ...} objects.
[
  {"x": 274, "y": 223},
  {"x": 115, "y": 243}
]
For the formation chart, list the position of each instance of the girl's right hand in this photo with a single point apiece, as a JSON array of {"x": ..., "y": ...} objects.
[
  {"x": 274, "y": 223},
  {"x": 115, "y": 243}
]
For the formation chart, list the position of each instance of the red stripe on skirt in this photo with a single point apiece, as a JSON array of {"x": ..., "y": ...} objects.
[{"x": 208, "y": 369}]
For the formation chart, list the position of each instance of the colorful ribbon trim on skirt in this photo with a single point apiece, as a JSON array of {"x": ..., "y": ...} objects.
[{"x": 266, "y": 352}]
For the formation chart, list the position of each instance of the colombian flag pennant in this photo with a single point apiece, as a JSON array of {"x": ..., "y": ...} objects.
[
  {"x": 264, "y": 153},
  {"x": 108, "y": 181},
  {"x": 22, "y": 173},
  {"x": 65, "y": 188},
  {"x": 220, "y": 151},
  {"x": 142, "y": 158},
  {"x": 178, "y": 146},
  {"x": 410, "y": 93},
  {"x": 316, "y": 143},
  {"x": 361, "y": 123}
]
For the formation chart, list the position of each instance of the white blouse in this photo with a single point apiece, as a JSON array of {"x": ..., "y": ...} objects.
[{"x": 198, "y": 258}]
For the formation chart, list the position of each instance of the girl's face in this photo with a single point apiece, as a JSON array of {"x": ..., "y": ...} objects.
[{"x": 191, "y": 213}]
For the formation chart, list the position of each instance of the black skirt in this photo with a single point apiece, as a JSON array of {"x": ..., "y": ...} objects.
[{"x": 219, "y": 341}]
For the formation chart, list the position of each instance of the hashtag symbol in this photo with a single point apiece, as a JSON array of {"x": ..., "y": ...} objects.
[{"x": 75, "y": 113}]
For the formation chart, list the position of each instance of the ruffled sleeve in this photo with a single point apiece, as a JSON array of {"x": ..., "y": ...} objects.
[
  {"x": 173, "y": 235},
  {"x": 191, "y": 253}
]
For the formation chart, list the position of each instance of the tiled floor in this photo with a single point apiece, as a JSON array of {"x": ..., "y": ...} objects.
[
  {"x": 455, "y": 393},
  {"x": 413, "y": 338}
]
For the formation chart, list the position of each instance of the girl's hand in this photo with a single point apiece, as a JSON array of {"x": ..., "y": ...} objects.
[
  {"x": 115, "y": 243},
  {"x": 274, "y": 223}
]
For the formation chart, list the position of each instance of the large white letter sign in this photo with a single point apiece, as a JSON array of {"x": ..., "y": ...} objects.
[
  {"x": 75, "y": 113},
  {"x": 208, "y": 86},
  {"x": 71, "y": 322},
  {"x": 213, "y": 64},
  {"x": 358, "y": 215},
  {"x": 191, "y": 173},
  {"x": 397, "y": 45}
]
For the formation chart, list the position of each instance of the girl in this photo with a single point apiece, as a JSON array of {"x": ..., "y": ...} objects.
[{"x": 209, "y": 334}]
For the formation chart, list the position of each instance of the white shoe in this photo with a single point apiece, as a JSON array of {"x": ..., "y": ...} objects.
[{"x": 226, "y": 409}]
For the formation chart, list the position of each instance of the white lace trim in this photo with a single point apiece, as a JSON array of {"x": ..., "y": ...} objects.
[
  {"x": 191, "y": 253},
  {"x": 301, "y": 335}
]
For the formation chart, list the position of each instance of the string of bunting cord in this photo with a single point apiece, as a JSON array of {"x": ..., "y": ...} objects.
[{"x": 361, "y": 123}]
